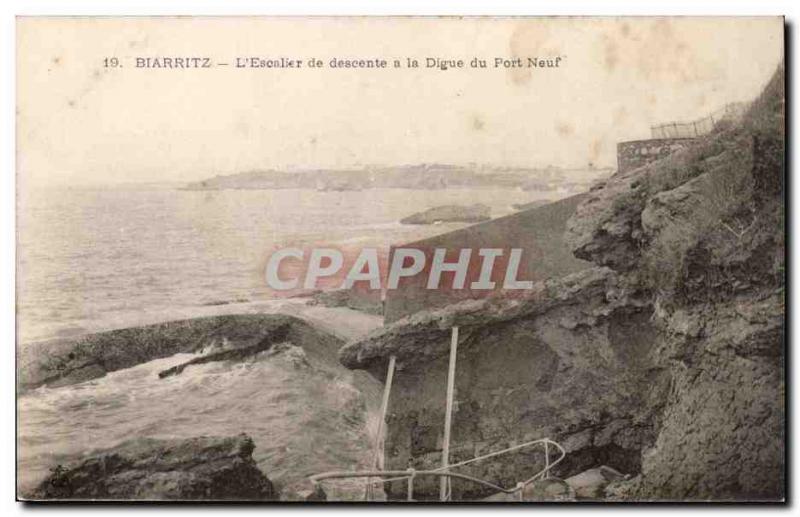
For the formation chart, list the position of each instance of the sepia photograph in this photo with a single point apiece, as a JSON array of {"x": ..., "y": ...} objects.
[{"x": 436, "y": 259}]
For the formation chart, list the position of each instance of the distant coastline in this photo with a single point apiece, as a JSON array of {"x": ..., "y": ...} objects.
[{"x": 419, "y": 176}]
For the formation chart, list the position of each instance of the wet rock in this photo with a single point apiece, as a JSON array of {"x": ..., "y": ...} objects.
[
  {"x": 70, "y": 361},
  {"x": 233, "y": 353},
  {"x": 203, "y": 468},
  {"x": 79, "y": 373}
]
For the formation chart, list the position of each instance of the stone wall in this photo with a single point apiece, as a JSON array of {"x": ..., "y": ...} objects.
[
  {"x": 569, "y": 362},
  {"x": 636, "y": 153},
  {"x": 538, "y": 231}
]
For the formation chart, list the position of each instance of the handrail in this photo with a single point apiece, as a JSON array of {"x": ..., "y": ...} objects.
[
  {"x": 406, "y": 474},
  {"x": 444, "y": 472}
]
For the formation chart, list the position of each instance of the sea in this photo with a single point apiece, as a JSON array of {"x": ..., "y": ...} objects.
[{"x": 91, "y": 259}]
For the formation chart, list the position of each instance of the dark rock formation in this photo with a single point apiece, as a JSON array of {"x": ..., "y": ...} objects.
[
  {"x": 65, "y": 362},
  {"x": 368, "y": 301},
  {"x": 231, "y": 352},
  {"x": 450, "y": 214},
  {"x": 570, "y": 360},
  {"x": 204, "y": 468},
  {"x": 664, "y": 362},
  {"x": 295, "y": 355},
  {"x": 703, "y": 233}
]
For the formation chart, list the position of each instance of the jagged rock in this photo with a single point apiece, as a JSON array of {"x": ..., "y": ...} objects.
[
  {"x": 204, "y": 468},
  {"x": 233, "y": 353},
  {"x": 591, "y": 484},
  {"x": 702, "y": 231},
  {"x": 450, "y": 214},
  {"x": 289, "y": 353},
  {"x": 665, "y": 362}
]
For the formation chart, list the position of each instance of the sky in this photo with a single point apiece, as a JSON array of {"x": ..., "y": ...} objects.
[{"x": 81, "y": 123}]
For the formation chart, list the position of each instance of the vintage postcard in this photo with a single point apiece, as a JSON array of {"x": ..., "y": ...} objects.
[{"x": 439, "y": 259}]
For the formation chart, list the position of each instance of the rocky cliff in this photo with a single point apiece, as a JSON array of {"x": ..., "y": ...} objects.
[
  {"x": 702, "y": 233},
  {"x": 664, "y": 361}
]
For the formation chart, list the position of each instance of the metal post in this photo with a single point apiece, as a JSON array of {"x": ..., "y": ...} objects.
[
  {"x": 448, "y": 415},
  {"x": 546, "y": 459},
  {"x": 410, "y": 489},
  {"x": 387, "y": 389}
]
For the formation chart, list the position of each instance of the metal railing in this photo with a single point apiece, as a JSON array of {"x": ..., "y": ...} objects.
[
  {"x": 702, "y": 126},
  {"x": 446, "y": 473}
]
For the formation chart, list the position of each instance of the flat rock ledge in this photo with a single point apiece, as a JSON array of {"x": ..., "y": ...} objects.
[
  {"x": 149, "y": 469},
  {"x": 424, "y": 336}
]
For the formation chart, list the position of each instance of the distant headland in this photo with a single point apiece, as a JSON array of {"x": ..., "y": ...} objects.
[{"x": 419, "y": 176}]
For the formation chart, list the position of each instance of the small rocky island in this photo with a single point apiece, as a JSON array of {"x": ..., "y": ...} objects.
[{"x": 450, "y": 214}]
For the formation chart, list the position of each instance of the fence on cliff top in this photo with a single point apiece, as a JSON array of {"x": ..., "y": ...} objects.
[{"x": 732, "y": 111}]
